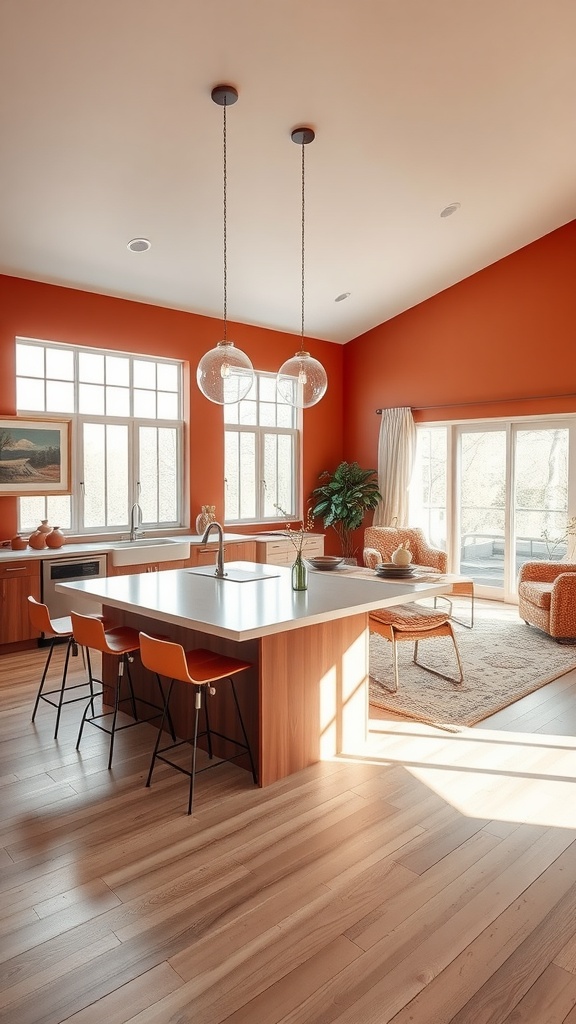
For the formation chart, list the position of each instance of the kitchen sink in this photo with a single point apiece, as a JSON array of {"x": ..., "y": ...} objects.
[{"x": 155, "y": 549}]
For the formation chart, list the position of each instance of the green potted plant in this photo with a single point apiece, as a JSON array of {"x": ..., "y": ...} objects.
[{"x": 344, "y": 498}]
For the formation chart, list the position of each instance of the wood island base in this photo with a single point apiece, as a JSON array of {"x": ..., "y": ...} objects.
[{"x": 306, "y": 698}]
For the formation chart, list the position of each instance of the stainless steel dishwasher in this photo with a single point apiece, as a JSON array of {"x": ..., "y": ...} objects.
[{"x": 69, "y": 570}]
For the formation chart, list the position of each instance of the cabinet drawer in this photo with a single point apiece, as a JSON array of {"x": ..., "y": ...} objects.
[
  {"x": 313, "y": 546},
  {"x": 15, "y": 570}
]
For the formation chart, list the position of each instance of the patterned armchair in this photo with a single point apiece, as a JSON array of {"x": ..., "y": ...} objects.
[
  {"x": 547, "y": 597},
  {"x": 381, "y": 541}
]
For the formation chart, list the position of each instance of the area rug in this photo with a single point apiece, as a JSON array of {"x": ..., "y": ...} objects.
[{"x": 503, "y": 660}]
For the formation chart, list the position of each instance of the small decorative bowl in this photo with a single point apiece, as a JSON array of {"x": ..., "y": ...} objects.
[{"x": 325, "y": 561}]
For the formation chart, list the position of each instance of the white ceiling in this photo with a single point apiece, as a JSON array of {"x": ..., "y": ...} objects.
[{"x": 108, "y": 132}]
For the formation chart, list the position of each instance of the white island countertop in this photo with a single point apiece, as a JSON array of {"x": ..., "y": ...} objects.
[{"x": 249, "y": 609}]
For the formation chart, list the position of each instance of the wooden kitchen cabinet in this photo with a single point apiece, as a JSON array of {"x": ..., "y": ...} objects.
[
  {"x": 134, "y": 570},
  {"x": 281, "y": 551},
  {"x": 17, "y": 581},
  {"x": 234, "y": 551}
]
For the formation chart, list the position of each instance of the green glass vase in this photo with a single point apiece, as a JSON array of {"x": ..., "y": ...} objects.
[{"x": 299, "y": 574}]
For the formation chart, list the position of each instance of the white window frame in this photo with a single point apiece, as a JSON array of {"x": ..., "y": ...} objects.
[
  {"x": 134, "y": 424},
  {"x": 260, "y": 433},
  {"x": 511, "y": 425}
]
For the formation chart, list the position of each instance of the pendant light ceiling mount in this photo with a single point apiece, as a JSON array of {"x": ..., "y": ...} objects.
[
  {"x": 225, "y": 373},
  {"x": 224, "y": 95},
  {"x": 302, "y": 380}
]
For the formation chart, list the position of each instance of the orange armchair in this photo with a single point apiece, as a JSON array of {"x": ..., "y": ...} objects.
[
  {"x": 381, "y": 541},
  {"x": 547, "y": 597}
]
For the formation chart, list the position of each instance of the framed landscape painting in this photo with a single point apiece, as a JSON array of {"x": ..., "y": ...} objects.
[{"x": 34, "y": 456}]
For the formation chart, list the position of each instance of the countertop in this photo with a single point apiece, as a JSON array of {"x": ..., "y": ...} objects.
[
  {"x": 102, "y": 547},
  {"x": 249, "y": 609}
]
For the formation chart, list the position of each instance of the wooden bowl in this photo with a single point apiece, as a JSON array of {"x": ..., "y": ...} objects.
[{"x": 325, "y": 561}]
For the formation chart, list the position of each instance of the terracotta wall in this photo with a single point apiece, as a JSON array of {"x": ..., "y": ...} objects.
[
  {"x": 43, "y": 311},
  {"x": 498, "y": 340},
  {"x": 489, "y": 346}
]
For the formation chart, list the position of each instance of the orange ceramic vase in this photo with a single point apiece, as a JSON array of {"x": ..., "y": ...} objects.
[
  {"x": 55, "y": 538},
  {"x": 37, "y": 540},
  {"x": 18, "y": 543}
]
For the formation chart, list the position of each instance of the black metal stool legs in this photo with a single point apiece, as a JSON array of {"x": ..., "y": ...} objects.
[
  {"x": 197, "y": 706},
  {"x": 58, "y": 694},
  {"x": 159, "y": 753}
]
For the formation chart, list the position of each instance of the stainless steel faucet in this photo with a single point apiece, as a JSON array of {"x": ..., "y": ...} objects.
[
  {"x": 220, "y": 559},
  {"x": 135, "y": 520}
]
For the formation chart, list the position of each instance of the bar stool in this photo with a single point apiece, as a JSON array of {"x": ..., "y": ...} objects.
[
  {"x": 200, "y": 668},
  {"x": 120, "y": 642},
  {"x": 54, "y": 630}
]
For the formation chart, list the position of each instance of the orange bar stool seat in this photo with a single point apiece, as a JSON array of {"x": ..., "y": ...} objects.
[
  {"x": 122, "y": 642},
  {"x": 199, "y": 668},
  {"x": 55, "y": 630}
]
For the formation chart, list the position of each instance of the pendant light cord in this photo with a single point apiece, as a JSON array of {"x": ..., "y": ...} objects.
[
  {"x": 303, "y": 192},
  {"x": 224, "y": 220}
]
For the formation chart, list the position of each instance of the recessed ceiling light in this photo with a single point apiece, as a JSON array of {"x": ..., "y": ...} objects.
[
  {"x": 139, "y": 245},
  {"x": 340, "y": 298},
  {"x": 450, "y": 209}
]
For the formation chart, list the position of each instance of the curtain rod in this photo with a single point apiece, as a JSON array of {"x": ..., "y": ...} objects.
[{"x": 495, "y": 401}]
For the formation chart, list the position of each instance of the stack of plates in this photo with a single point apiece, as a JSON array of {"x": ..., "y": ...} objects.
[{"x": 392, "y": 571}]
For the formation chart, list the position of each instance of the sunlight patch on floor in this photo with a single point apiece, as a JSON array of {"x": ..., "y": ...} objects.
[{"x": 513, "y": 777}]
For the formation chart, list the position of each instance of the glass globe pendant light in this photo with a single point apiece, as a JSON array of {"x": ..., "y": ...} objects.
[
  {"x": 225, "y": 373},
  {"x": 301, "y": 381}
]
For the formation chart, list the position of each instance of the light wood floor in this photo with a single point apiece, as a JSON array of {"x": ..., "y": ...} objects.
[{"x": 430, "y": 878}]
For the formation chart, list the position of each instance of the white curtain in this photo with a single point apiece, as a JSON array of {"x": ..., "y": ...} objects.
[{"x": 396, "y": 450}]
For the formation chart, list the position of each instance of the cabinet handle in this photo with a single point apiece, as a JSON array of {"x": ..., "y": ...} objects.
[{"x": 16, "y": 568}]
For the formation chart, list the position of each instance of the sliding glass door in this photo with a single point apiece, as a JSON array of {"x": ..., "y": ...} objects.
[
  {"x": 495, "y": 495},
  {"x": 481, "y": 511}
]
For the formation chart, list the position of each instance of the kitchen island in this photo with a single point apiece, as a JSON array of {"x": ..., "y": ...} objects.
[{"x": 306, "y": 697}]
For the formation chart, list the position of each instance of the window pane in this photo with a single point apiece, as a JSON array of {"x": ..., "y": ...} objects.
[
  {"x": 145, "y": 405},
  {"x": 267, "y": 414},
  {"x": 286, "y": 473},
  {"x": 541, "y": 494},
  {"x": 167, "y": 475},
  {"x": 144, "y": 374},
  {"x": 248, "y": 414},
  {"x": 278, "y": 471},
  {"x": 32, "y": 512},
  {"x": 285, "y": 415},
  {"x": 428, "y": 489},
  {"x": 59, "y": 396},
  {"x": 91, "y": 367},
  {"x": 167, "y": 376},
  {"x": 232, "y": 412},
  {"x": 30, "y": 395},
  {"x": 29, "y": 360},
  {"x": 117, "y": 401},
  {"x": 232, "y": 482},
  {"x": 268, "y": 391},
  {"x": 117, "y": 474},
  {"x": 59, "y": 511},
  {"x": 247, "y": 476},
  {"x": 60, "y": 363},
  {"x": 149, "y": 474},
  {"x": 167, "y": 406},
  {"x": 91, "y": 400},
  {"x": 94, "y": 475},
  {"x": 118, "y": 371}
]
